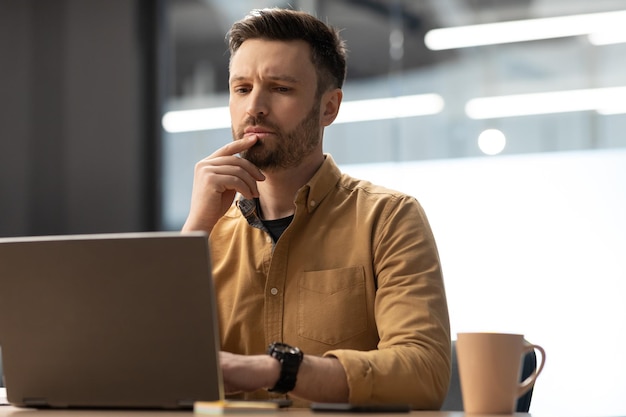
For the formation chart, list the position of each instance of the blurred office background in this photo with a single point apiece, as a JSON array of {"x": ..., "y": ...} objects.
[{"x": 512, "y": 136}]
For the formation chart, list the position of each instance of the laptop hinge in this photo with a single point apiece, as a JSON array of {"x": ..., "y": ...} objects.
[{"x": 36, "y": 402}]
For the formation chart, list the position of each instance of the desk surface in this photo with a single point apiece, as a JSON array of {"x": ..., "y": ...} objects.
[{"x": 8, "y": 411}]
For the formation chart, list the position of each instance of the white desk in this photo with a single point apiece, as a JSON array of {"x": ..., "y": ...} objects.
[{"x": 8, "y": 411}]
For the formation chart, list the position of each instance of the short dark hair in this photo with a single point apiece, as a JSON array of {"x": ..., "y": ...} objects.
[{"x": 328, "y": 50}]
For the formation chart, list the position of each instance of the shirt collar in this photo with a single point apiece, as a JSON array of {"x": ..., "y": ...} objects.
[
  {"x": 249, "y": 209},
  {"x": 311, "y": 194},
  {"x": 318, "y": 187}
]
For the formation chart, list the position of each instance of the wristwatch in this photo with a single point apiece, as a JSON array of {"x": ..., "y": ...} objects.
[{"x": 290, "y": 359}]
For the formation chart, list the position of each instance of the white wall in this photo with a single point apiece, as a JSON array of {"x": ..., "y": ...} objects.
[{"x": 534, "y": 244}]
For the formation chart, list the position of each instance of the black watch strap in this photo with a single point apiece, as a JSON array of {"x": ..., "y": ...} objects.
[{"x": 290, "y": 359}]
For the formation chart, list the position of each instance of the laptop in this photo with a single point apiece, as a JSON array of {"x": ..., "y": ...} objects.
[{"x": 109, "y": 321}]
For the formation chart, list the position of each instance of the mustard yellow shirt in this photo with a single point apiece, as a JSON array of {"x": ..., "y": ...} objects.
[{"x": 356, "y": 275}]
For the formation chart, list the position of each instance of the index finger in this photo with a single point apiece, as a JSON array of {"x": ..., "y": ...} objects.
[{"x": 235, "y": 147}]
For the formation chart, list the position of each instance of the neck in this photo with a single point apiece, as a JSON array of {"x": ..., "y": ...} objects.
[{"x": 277, "y": 192}]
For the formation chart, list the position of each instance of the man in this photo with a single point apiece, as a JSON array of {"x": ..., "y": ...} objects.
[{"x": 334, "y": 267}]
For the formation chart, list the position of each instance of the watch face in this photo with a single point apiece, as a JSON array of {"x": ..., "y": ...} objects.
[{"x": 283, "y": 347}]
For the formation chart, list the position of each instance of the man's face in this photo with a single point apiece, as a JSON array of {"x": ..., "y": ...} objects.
[{"x": 273, "y": 88}]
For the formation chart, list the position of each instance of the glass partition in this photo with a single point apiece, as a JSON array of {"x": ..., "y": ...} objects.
[
  {"x": 516, "y": 147},
  {"x": 559, "y": 91}
]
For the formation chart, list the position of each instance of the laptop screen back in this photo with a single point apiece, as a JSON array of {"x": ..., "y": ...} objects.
[{"x": 113, "y": 320}]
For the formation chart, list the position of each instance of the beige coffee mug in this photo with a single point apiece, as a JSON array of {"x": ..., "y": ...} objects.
[{"x": 490, "y": 368}]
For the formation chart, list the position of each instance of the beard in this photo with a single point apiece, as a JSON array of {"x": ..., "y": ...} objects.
[{"x": 286, "y": 149}]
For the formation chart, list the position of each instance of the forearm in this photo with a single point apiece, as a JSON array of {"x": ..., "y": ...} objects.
[{"x": 321, "y": 380}]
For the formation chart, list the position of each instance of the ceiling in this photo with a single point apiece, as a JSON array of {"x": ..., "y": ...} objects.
[{"x": 379, "y": 33}]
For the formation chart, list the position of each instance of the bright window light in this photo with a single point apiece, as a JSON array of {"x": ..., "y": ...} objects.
[
  {"x": 524, "y": 30},
  {"x": 351, "y": 111},
  {"x": 599, "y": 99}
]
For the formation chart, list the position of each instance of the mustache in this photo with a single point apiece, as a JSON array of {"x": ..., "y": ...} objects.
[{"x": 257, "y": 122}]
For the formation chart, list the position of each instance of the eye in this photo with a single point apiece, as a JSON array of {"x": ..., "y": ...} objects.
[
  {"x": 241, "y": 90},
  {"x": 282, "y": 89}
]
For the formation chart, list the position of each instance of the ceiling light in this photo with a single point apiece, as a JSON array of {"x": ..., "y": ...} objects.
[
  {"x": 524, "y": 30},
  {"x": 607, "y": 37},
  {"x": 491, "y": 141},
  {"x": 545, "y": 103},
  {"x": 390, "y": 108},
  {"x": 351, "y": 111},
  {"x": 194, "y": 120}
]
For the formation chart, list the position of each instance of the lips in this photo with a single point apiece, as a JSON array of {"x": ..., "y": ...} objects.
[{"x": 258, "y": 131}]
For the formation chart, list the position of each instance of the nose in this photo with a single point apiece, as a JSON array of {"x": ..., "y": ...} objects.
[{"x": 257, "y": 103}]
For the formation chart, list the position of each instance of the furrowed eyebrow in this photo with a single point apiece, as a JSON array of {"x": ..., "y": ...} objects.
[
  {"x": 284, "y": 78},
  {"x": 237, "y": 78}
]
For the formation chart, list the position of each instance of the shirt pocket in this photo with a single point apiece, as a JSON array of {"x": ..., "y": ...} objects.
[{"x": 332, "y": 304}]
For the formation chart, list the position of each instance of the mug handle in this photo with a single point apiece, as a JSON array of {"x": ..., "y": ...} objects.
[{"x": 528, "y": 383}]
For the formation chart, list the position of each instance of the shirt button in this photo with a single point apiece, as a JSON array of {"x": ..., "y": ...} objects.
[
  {"x": 274, "y": 291},
  {"x": 313, "y": 203},
  {"x": 268, "y": 239}
]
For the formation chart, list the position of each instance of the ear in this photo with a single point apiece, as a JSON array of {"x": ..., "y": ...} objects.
[{"x": 331, "y": 100}]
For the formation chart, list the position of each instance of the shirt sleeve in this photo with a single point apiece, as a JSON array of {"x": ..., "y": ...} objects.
[{"x": 412, "y": 362}]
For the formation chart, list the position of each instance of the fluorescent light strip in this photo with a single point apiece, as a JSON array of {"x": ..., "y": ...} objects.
[
  {"x": 194, "y": 120},
  {"x": 524, "y": 30},
  {"x": 600, "y": 99},
  {"x": 390, "y": 108},
  {"x": 607, "y": 37},
  {"x": 351, "y": 111}
]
